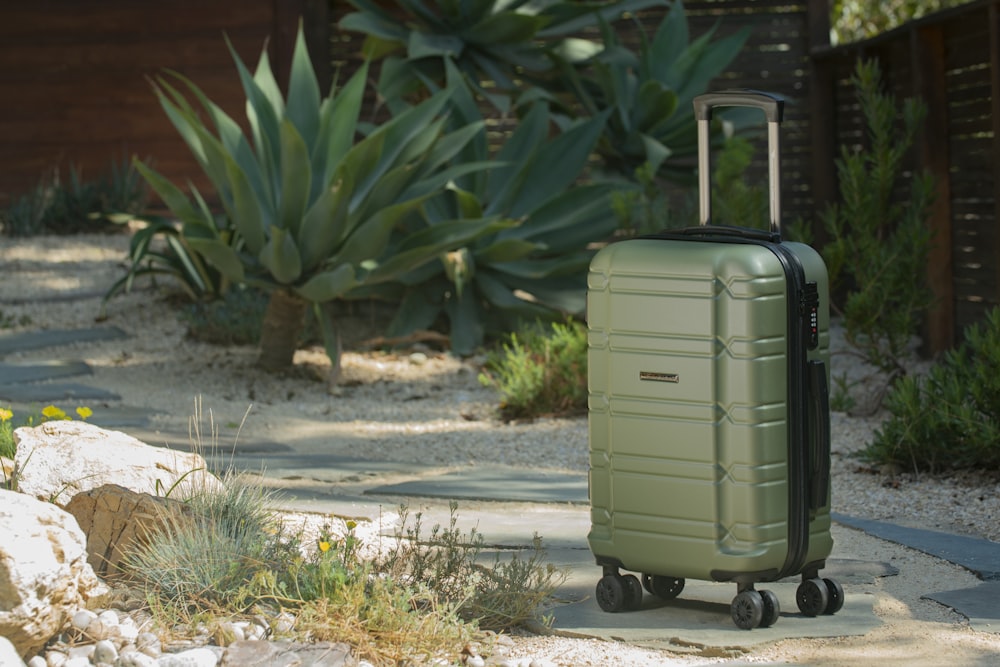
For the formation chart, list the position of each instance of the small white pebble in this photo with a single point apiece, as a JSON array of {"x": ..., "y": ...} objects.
[
  {"x": 128, "y": 630},
  {"x": 109, "y": 617},
  {"x": 82, "y": 619},
  {"x": 105, "y": 652},
  {"x": 149, "y": 644},
  {"x": 55, "y": 659},
  {"x": 133, "y": 658}
]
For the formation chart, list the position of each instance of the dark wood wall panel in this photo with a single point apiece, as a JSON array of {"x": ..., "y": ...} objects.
[
  {"x": 75, "y": 91},
  {"x": 75, "y": 77},
  {"x": 966, "y": 107}
]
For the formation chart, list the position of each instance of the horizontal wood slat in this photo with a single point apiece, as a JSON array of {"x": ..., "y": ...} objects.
[
  {"x": 76, "y": 83},
  {"x": 76, "y": 78}
]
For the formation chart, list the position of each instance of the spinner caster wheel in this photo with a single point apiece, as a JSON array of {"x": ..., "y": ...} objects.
[
  {"x": 836, "y": 596},
  {"x": 813, "y": 597},
  {"x": 665, "y": 588},
  {"x": 747, "y": 610},
  {"x": 772, "y": 609},
  {"x": 616, "y": 592},
  {"x": 611, "y": 593},
  {"x": 633, "y": 592}
]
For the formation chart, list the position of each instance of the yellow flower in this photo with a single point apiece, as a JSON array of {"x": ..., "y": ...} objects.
[
  {"x": 5, "y": 414},
  {"x": 324, "y": 546},
  {"x": 351, "y": 525},
  {"x": 84, "y": 412},
  {"x": 52, "y": 412}
]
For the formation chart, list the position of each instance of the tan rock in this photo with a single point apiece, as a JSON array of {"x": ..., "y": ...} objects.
[
  {"x": 59, "y": 459},
  {"x": 116, "y": 519},
  {"x": 6, "y": 470}
]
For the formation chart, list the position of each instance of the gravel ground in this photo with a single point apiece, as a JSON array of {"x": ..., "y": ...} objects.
[{"x": 427, "y": 407}]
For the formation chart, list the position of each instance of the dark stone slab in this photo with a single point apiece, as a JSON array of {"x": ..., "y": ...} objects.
[
  {"x": 851, "y": 571},
  {"x": 34, "y": 340},
  {"x": 978, "y": 604},
  {"x": 54, "y": 391},
  {"x": 982, "y": 557},
  {"x": 496, "y": 483},
  {"x": 13, "y": 374}
]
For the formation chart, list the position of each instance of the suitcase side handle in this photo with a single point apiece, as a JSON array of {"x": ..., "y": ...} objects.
[
  {"x": 819, "y": 486},
  {"x": 773, "y": 107}
]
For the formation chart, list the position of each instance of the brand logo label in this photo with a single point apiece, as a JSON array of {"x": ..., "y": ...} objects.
[{"x": 651, "y": 376}]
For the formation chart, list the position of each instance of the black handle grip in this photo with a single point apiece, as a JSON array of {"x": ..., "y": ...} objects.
[
  {"x": 772, "y": 105},
  {"x": 719, "y": 232},
  {"x": 819, "y": 418}
]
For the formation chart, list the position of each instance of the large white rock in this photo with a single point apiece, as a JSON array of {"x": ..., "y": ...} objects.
[
  {"x": 8, "y": 654},
  {"x": 59, "y": 459},
  {"x": 44, "y": 574}
]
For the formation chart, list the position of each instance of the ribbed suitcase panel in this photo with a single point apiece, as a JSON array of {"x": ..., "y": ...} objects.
[{"x": 688, "y": 407}]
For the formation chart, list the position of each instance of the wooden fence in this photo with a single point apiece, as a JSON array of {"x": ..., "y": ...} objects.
[
  {"x": 950, "y": 60},
  {"x": 74, "y": 77}
]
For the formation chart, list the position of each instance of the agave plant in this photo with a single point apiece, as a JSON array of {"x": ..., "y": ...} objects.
[
  {"x": 650, "y": 93},
  {"x": 309, "y": 204},
  {"x": 534, "y": 270},
  {"x": 503, "y": 42}
]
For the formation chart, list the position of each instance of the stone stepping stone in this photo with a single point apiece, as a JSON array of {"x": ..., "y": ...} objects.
[
  {"x": 495, "y": 483},
  {"x": 34, "y": 340},
  {"x": 16, "y": 373},
  {"x": 978, "y": 604},
  {"x": 53, "y": 392},
  {"x": 981, "y": 557}
]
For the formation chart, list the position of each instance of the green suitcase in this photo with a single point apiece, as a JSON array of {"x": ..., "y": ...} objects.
[{"x": 709, "y": 420}]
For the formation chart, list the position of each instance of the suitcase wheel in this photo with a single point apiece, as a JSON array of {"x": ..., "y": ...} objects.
[
  {"x": 755, "y": 609},
  {"x": 836, "y": 596},
  {"x": 772, "y": 610},
  {"x": 747, "y": 609},
  {"x": 616, "y": 592},
  {"x": 665, "y": 588},
  {"x": 819, "y": 596}
]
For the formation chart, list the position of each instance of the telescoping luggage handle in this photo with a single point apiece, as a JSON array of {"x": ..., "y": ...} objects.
[{"x": 773, "y": 107}]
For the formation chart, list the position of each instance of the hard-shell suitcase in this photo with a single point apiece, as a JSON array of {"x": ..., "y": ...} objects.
[{"x": 709, "y": 422}]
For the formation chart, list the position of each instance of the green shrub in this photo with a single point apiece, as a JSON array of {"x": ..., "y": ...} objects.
[
  {"x": 853, "y": 20},
  {"x": 229, "y": 557},
  {"x": 648, "y": 92},
  {"x": 542, "y": 371},
  {"x": 534, "y": 270},
  {"x": 213, "y": 557},
  {"x": 647, "y": 208},
  {"x": 498, "y": 596},
  {"x": 159, "y": 249},
  {"x": 879, "y": 245},
  {"x": 500, "y": 47},
  {"x": 7, "y": 448},
  {"x": 950, "y": 418},
  {"x": 233, "y": 319},
  {"x": 311, "y": 203},
  {"x": 74, "y": 205},
  {"x": 10, "y": 321}
]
